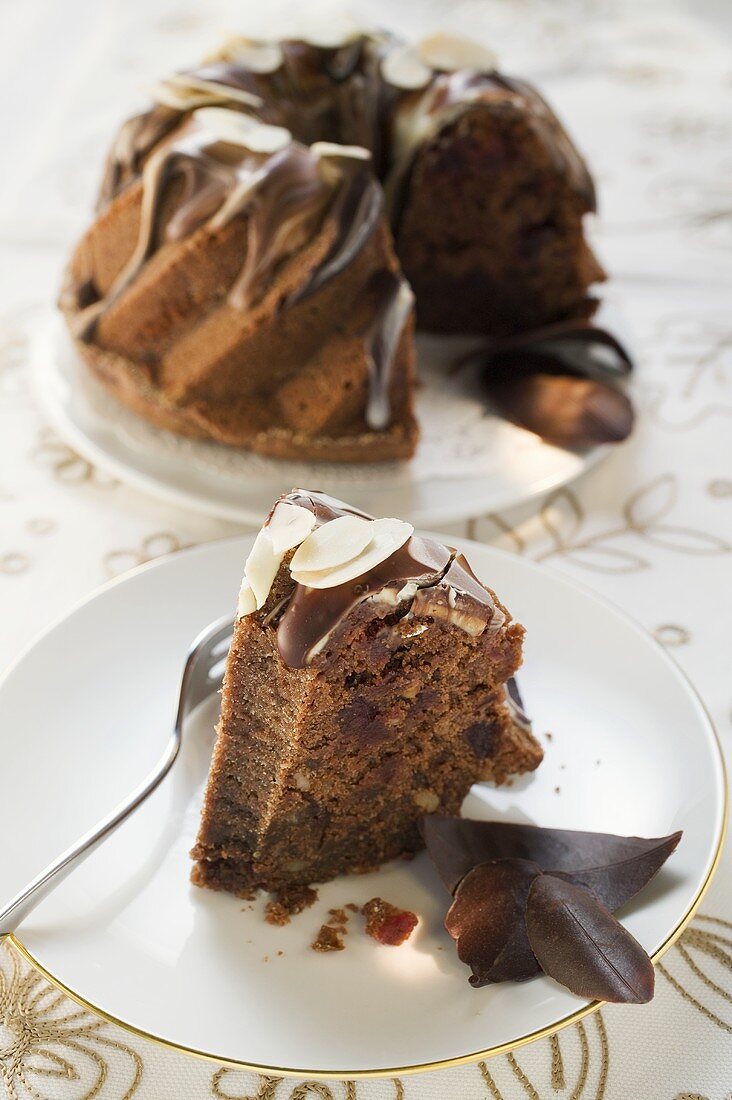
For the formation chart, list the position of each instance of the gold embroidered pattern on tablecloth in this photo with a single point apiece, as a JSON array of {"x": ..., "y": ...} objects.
[
  {"x": 563, "y": 520},
  {"x": 709, "y": 943},
  {"x": 531, "y": 1089},
  {"x": 275, "y": 1088},
  {"x": 46, "y": 1039}
]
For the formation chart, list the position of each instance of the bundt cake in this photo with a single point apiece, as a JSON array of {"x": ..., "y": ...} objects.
[
  {"x": 262, "y": 231},
  {"x": 365, "y": 686}
]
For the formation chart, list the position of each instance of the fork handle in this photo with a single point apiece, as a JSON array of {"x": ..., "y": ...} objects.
[{"x": 30, "y": 896}]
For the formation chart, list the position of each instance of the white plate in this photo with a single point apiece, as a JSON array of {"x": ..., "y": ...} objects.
[
  {"x": 468, "y": 462},
  {"x": 86, "y": 712}
]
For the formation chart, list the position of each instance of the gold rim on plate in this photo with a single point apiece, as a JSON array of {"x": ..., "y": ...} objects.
[{"x": 423, "y": 1067}]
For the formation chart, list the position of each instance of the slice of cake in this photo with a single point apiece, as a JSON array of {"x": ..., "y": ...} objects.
[
  {"x": 365, "y": 687},
  {"x": 488, "y": 199}
]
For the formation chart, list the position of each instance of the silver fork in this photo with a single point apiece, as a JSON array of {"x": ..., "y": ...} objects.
[{"x": 202, "y": 675}]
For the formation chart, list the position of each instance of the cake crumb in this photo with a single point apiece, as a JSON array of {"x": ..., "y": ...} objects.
[
  {"x": 549, "y": 736},
  {"x": 557, "y": 790},
  {"x": 352, "y": 906},
  {"x": 276, "y": 913},
  {"x": 328, "y": 939},
  {"x": 388, "y": 924},
  {"x": 280, "y": 953},
  {"x": 287, "y": 903}
]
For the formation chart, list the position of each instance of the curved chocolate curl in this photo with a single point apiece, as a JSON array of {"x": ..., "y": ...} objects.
[
  {"x": 564, "y": 410},
  {"x": 579, "y": 943},
  {"x": 486, "y": 920}
]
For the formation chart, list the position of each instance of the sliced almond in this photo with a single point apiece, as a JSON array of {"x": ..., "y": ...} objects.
[
  {"x": 332, "y": 149},
  {"x": 179, "y": 98},
  {"x": 247, "y": 600},
  {"x": 404, "y": 68},
  {"x": 256, "y": 55},
  {"x": 261, "y": 567},
  {"x": 449, "y": 52},
  {"x": 387, "y": 535},
  {"x": 328, "y": 32},
  {"x": 333, "y": 544},
  {"x": 289, "y": 525},
  {"x": 236, "y": 128},
  {"x": 190, "y": 84}
]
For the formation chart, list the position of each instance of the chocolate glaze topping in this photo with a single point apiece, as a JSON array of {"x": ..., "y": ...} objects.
[
  {"x": 356, "y": 212},
  {"x": 446, "y": 589}
]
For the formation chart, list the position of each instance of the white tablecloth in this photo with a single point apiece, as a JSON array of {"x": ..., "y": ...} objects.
[{"x": 647, "y": 90}]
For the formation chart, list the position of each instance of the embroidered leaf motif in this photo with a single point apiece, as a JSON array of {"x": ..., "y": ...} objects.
[
  {"x": 561, "y": 515},
  {"x": 652, "y": 502},
  {"x": 606, "y": 559},
  {"x": 578, "y": 942},
  {"x": 685, "y": 540}
]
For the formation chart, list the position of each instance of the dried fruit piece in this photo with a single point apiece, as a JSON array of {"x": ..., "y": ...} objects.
[
  {"x": 578, "y": 942},
  {"x": 388, "y": 924}
]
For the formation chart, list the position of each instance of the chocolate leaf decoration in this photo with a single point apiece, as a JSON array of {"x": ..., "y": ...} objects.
[
  {"x": 456, "y": 845},
  {"x": 602, "y": 344},
  {"x": 486, "y": 920},
  {"x": 579, "y": 347},
  {"x": 568, "y": 412},
  {"x": 615, "y": 883},
  {"x": 578, "y": 942}
]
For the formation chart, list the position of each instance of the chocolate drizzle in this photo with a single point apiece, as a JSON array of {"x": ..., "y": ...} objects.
[
  {"x": 285, "y": 195},
  {"x": 284, "y": 198},
  {"x": 356, "y": 212},
  {"x": 308, "y": 618},
  {"x": 313, "y": 614},
  {"x": 396, "y": 301}
]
